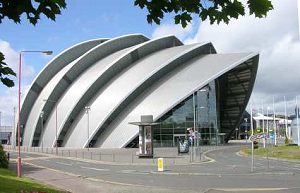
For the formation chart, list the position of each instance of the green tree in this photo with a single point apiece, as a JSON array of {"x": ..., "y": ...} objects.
[
  {"x": 3, "y": 158},
  {"x": 5, "y": 72},
  {"x": 214, "y": 10},
  {"x": 33, "y": 9}
]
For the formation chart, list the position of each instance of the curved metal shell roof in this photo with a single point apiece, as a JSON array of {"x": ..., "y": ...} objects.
[{"x": 123, "y": 78}]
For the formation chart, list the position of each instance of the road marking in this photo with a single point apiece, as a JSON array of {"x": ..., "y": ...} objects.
[
  {"x": 260, "y": 164},
  {"x": 295, "y": 168},
  {"x": 134, "y": 172},
  {"x": 93, "y": 179},
  {"x": 66, "y": 164},
  {"x": 127, "y": 171},
  {"x": 248, "y": 189},
  {"x": 290, "y": 167},
  {"x": 98, "y": 169}
]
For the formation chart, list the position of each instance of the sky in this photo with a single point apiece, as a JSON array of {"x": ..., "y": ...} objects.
[{"x": 275, "y": 38}]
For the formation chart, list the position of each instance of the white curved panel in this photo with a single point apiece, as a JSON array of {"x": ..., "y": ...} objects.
[
  {"x": 46, "y": 74},
  {"x": 38, "y": 106},
  {"x": 166, "y": 93},
  {"x": 73, "y": 94},
  {"x": 166, "y": 66},
  {"x": 82, "y": 63},
  {"x": 114, "y": 93}
]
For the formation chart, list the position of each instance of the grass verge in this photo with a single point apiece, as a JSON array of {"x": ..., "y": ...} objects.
[
  {"x": 281, "y": 152},
  {"x": 10, "y": 183}
]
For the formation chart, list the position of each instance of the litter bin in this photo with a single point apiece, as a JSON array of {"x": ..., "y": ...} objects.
[{"x": 183, "y": 146}]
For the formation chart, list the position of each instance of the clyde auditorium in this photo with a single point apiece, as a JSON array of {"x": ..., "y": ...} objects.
[{"x": 88, "y": 94}]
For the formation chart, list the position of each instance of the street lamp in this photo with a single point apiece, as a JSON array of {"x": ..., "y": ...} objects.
[
  {"x": 42, "y": 128},
  {"x": 268, "y": 108},
  {"x": 87, "y": 109},
  {"x": 297, "y": 118},
  {"x": 246, "y": 128},
  {"x": 47, "y": 52},
  {"x": 56, "y": 140}
]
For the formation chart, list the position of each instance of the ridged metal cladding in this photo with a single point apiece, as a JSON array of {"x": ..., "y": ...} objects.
[{"x": 120, "y": 79}]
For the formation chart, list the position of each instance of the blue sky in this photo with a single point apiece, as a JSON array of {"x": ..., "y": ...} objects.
[
  {"x": 276, "y": 38},
  {"x": 80, "y": 21}
]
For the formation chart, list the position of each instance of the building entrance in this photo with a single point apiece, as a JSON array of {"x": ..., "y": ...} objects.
[{"x": 176, "y": 139}]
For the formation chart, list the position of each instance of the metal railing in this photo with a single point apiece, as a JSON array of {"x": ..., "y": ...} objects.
[{"x": 128, "y": 156}]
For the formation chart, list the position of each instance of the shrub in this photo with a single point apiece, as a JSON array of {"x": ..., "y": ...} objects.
[
  {"x": 3, "y": 158},
  {"x": 292, "y": 144},
  {"x": 286, "y": 140},
  {"x": 255, "y": 143}
]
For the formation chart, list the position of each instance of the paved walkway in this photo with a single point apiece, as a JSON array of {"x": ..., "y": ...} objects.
[
  {"x": 77, "y": 183},
  {"x": 68, "y": 182},
  {"x": 228, "y": 172}
]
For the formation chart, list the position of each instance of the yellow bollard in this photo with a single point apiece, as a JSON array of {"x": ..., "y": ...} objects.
[{"x": 160, "y": 164}]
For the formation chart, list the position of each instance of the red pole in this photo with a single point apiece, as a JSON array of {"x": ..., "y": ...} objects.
[
  {"x": 56, "y": 127},
  {"x": 19, "y": 166},
  {"x": 19, "y": 107}
]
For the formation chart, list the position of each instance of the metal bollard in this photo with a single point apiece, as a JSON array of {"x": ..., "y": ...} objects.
[
  {"x": 99, "y": 156},
  {"x": 69, "y": 153},
  {"x": 113, "y": 157},
  {"x": 91, "y": 155},
  {"x": 131, "y": 157},
  {"x": 160, "y": 164}
]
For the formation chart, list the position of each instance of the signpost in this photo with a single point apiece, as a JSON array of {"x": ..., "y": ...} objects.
[
  {"x": 252, "y": 138},
  {"x": 257, "y": 136}
]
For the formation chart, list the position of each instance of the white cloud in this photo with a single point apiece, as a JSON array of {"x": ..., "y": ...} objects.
[
  {"x": 8, "y": 96},
  {"x": 12, "y": 59},
  {"x": 171, "y": 29},
  {"x": 275, "y": 37},
  {"x": 8, "y": 100}
]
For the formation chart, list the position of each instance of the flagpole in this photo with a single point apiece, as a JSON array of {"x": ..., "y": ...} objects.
[
  {"x": 263, "y": 121},
  {"x": 297, "y": 115},
  {"x": 268, "y": 120},
  {"x": 286, "y": 120},
  {"x": 252, "y": 142},
  {"x": 299, "y": 18},
  {"x": 274, "y": 123}
]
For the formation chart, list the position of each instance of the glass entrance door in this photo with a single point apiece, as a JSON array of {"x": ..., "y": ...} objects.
[{"x": 177, "y": 138}]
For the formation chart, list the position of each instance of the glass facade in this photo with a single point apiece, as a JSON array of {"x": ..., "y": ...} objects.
[{"x": 199, "y": 108}]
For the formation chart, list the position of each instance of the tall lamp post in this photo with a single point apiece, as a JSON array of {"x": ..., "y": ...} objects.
[
  {"x": 297, "y": 118},
  {"x": 42, "y": 129},
  {"x": 87, "y": 110},
  {"x": 47, "y": 52},
  {"x": 56, "y": 140},
  {"x": 246, "y": 128}
]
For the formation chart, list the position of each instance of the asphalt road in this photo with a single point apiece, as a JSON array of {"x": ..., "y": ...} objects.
[{"x": 228, "y": 172}]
